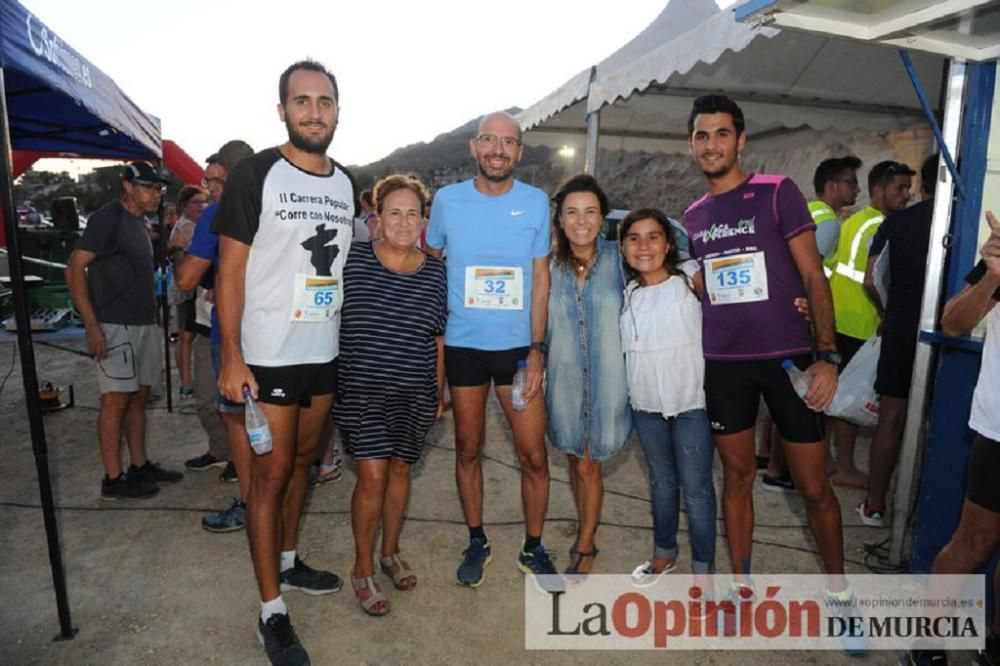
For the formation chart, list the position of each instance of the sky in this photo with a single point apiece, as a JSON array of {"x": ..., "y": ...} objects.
[{"x": 407, "y": 71}]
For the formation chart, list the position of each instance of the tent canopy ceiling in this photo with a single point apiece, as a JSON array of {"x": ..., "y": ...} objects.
[
  {"x": 783, "y": 79},
  {"x": 59, "y": 102},
  {"x": 967, "y": 29}
]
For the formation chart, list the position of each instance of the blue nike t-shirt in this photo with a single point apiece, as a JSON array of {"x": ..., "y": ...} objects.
[{"x": 492, "y": 241}]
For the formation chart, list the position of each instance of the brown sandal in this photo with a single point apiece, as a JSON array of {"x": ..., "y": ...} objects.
[
  {"x": 371, "y": 604},
  {"x": 404, "y": 578}
]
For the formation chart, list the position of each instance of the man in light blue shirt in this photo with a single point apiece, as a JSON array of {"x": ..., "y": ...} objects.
[{"x": 495, "y": 230}]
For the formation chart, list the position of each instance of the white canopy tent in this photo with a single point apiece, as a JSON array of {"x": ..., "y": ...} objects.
[{"x": 640, "y": 96}]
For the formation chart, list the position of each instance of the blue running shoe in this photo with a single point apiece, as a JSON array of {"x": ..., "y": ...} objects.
[
  {"x": 472, "y": 570},
  {"x": 228, "y": 520},
  {"x": 538, "y": 564}
]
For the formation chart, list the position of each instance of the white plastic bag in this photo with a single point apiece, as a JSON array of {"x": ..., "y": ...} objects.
[{"x": 856, "y": 400}]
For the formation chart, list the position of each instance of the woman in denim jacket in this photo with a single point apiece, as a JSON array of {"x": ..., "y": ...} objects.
[{"x": 586, "y": 396}]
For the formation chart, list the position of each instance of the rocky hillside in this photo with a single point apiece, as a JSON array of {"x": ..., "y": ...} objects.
[{"x": 639, "y": 179}]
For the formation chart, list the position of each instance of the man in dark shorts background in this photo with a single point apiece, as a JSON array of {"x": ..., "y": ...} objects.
[
  {"x": 755, "y": 240},
  {"x": 285, "y": 224},
  {"x": 977, "y": 536},
  {"x": 907, "y": 234}
]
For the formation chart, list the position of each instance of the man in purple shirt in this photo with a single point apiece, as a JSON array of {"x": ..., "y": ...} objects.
[{"x": 755, "y": 240}]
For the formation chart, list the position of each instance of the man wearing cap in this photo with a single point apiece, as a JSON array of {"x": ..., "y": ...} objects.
[
  {"x": 197, "y": 270},
  {"x": 110, "y": 277},
  {"x": 856, "y": 315}
]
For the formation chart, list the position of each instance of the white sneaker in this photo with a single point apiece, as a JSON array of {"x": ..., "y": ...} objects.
[
  {"x": 869, "y": 517},
  {"x": 644, "y": 575}
]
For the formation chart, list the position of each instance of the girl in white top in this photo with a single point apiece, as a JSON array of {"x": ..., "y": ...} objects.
[{"x": 661, "y": 337}]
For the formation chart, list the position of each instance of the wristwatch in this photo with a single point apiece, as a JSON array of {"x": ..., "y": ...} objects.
[
  {"x": 540, "y": 346},
  {"x": 831, "y": 357}
]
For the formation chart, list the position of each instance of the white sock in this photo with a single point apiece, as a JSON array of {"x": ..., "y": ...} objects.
[
  {"x": 273, "y": 607},
  {"x": 287, "y": 560}
]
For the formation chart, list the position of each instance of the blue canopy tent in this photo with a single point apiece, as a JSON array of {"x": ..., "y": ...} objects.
[
  {"x": 59, "y": 102},
  {"x": 53, "y": 100}
]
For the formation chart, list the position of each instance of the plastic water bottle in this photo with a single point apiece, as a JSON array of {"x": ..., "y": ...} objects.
[
  {"x": 258, "y": 430},
  {"x": 801, "y": 380},
  {"x": 517, "y": 388}
]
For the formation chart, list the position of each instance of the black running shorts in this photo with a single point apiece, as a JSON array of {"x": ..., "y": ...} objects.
[
  {"x": 984, "y": 462},
  {"x": 294, "y": 384},
  {"x": 476, "y": 367},
  {"x": 733, "y": 390}
]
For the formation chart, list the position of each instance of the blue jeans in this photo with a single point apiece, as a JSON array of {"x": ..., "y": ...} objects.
[{"x": 679, "y": 453}]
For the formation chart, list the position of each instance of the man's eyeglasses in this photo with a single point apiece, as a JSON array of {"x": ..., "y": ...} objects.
[
  {"x": 208, "y": 182},
  {"x": 490, "y": 140},
  {"x": 853, "y": 182}
]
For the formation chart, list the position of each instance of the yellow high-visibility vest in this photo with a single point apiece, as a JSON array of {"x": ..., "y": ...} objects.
[{"x": 855, "y": 313}]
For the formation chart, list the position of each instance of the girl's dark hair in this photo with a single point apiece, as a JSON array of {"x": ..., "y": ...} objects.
[
  {"x": 562, "y": 253},
  {"x": 672, "y": 261}
]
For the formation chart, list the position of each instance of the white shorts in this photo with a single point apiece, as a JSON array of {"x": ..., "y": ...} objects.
[{"x": 133, "y": 359}]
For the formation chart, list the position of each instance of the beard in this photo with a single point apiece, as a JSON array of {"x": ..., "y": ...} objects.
[
  {"x": 718, "y": 172},
  {"x": 307, "y": 144},
  {"x": 492, "y": 175}
]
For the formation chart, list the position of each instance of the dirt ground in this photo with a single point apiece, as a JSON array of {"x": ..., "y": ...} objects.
[{"x": 147, "y": 585}]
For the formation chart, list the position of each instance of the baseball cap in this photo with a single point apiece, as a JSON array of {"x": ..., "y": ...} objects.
[{"x": 143, "y": 173}]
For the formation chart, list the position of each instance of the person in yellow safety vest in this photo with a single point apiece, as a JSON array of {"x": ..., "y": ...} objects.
[
  {"x": 857, "y": 317},
  {"x": 836, "y": 186}
]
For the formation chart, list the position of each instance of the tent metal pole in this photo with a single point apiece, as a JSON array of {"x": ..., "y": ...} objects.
[
  {"x": 913, "y": 430},
  {"x": 947, "y": 150},
  {"x": 593, "y": 131},
  {"x": 164, "y": 305},
  {"x": 29, "y": 376}
]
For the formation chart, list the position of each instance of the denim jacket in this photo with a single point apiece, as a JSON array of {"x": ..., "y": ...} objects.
[{"x": 587, "y": 391}]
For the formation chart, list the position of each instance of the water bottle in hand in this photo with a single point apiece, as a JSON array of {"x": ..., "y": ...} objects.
[
  {"x": 258, "y": 430},
  {"x": 801, "y": 380},
  {"x": 517, "y": 388}
]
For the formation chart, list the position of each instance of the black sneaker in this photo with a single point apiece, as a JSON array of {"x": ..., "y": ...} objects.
[
  {"x": 280, "y": 642},
  {"x": 153, "y": 472},
  {"x": 229, "y": 474},
  {"x": 781, "y": 484},
  {"x": 126, "y": 488},
  {"x": 923, "y": 658},
  {"x": 304, "y": 578},
  {"x": 203, "y": 462}
]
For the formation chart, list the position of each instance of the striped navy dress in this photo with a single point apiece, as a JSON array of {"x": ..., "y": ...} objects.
[{"x": 387, "y": 387}]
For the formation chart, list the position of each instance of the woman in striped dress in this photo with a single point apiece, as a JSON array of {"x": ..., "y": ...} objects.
[{"x": 391, "y": 377}]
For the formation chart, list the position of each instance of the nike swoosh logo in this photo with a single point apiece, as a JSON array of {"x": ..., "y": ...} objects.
[{"x": 515, "y": 213}]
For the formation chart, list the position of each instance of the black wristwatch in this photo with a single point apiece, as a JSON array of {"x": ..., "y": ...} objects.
[
  {"x": 540, "y": 346},
  {"x": 831, "y": 357}
]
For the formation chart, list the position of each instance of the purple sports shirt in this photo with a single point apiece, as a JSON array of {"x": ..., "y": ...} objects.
[{"x": 741, "y": 241}]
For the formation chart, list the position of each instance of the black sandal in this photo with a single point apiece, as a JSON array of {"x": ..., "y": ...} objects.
[{"x": 574, "y": 568}]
